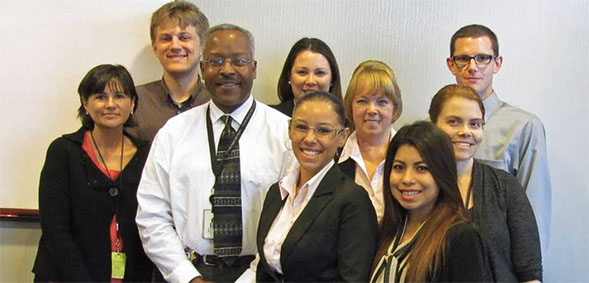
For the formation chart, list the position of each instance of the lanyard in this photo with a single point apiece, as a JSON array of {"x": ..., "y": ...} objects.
[
  {"x": 217, "y": 166},
  {"x": 113, "y": 192}
]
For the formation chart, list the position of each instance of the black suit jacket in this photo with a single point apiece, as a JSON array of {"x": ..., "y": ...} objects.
[
  {"x": 76, "y": 210},
  {"x": 333, "y": 239}
]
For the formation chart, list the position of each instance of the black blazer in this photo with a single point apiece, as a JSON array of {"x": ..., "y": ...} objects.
[
  {"x": 76, "y": 210},
  {"x": 333, "y": 239}
]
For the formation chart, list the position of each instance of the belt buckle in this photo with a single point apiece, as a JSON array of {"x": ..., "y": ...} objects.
[
  {"x": 206, "y": 262},
  {"x": 191, "y": 255}
]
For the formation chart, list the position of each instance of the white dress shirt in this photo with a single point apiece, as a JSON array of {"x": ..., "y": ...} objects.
[
  {"x": 372, "y": 186},
  {"x": 289, "y": 213},
  {"x": 177, "y": 180},
  {"x": 515, "y": 141}
]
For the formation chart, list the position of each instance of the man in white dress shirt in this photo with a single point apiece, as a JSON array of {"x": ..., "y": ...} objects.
[
  {"x": 514, "y": 140},
  {"x": 174, "y": 214}
]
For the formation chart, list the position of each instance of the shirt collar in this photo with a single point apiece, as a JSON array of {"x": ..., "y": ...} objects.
[
  {"x": 196, "y": 91},
  {"x": 352, "y": 149},
  {"x": 289, "y": 182},
  {"x": 491, "y": 104},
  {"x": 237, "y": 115}
]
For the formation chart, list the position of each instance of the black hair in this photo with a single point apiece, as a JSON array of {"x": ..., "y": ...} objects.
[{"x": 96, "y": 80}]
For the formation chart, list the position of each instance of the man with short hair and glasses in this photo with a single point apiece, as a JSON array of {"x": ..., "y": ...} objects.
[
  {"x": 209, "y": 168},
  {"x": 514, "y": 140}
]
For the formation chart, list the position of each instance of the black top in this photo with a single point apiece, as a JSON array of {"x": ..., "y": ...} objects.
[
  {"x": 76, "y": 211},
  {"x": 463, "y": 260},
  {"x": 286, "y": 107}
]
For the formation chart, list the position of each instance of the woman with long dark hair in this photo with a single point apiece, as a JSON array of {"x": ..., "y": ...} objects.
[
  {"x": 424, "y": 236},
  {"x": 309, "y": 66}
]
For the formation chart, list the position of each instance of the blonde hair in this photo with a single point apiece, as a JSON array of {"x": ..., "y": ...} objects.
[
  {"x": 182, "y": 13},
  {"x": 379, "y": 76}
]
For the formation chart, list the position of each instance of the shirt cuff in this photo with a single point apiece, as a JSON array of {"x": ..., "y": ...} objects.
[{"x": 183, "y": 273}]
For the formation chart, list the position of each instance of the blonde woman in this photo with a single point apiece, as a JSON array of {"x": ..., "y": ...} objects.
[{"x": 373, "y": 102}]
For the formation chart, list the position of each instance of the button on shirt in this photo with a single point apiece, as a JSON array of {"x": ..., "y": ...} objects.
[
  {"x": 372, "y": 186},
  {"x": 177, "y": 180},
  {"x": 289, "y": 213}
]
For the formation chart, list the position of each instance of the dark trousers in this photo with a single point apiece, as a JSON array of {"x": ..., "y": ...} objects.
[
  {"x": 216, "y": 273},
  {"x": 221, "y": 272}
]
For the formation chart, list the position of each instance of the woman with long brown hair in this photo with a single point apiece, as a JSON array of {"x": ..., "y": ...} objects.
[
  {"x": 309, "y": 66},
  {"x": 424, "y": 236}
]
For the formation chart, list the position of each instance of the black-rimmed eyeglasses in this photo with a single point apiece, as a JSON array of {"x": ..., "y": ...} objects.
[{"x": 480, "y": 59}]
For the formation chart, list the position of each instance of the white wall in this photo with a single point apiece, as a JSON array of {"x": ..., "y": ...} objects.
[{"x": 48, "y": 46}]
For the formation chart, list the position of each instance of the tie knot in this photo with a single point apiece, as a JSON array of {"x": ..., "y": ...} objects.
[{"x": 226, "y": 119}]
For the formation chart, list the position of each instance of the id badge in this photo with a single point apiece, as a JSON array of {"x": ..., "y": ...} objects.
[
  {"x": 207, "y": 224},
  {"x": 118, "y": 265}
]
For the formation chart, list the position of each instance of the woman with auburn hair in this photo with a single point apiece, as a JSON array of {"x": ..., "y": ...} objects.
[
  {"x": 310, "y": 66},
  {"x": 372, "y": 104},
  {"x": 493, "y": 199},
  {"x": 424, "y": 236}
]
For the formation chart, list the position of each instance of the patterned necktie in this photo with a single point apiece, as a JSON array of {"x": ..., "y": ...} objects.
[{"x": 226, "y": 201}]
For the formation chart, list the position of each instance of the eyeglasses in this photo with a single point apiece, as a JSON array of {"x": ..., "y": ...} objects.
[
  {"x": 324, "y": 131},
  {"x": 235, "y": 62},
  {"x": 480, "y": 59}
]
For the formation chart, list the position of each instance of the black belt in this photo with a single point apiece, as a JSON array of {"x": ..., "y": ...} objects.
[{"x": 213, "y": 260}]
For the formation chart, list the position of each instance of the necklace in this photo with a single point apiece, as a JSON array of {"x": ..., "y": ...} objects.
[{"x": 102, "y": 159}]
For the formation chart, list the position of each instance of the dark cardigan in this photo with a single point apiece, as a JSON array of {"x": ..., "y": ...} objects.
[
  {"x": 505, "y": 220},
  {"x": 76, "y": 210}
]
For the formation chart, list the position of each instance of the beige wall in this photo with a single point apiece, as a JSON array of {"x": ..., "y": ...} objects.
[
  {"x": 48, "y": 46},
  {"x": 18, "y": 247}
]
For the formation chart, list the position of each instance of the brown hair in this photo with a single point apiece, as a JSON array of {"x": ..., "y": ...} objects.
[
  {"x": 379, "y": 76},
  {"x": 315, "y": 45},
  {"x": 474, "y": 31},
  {"x": 182, "y": 13},
  {"x": 437, "y": 152},
  {"x": 451, "y": 91}
]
